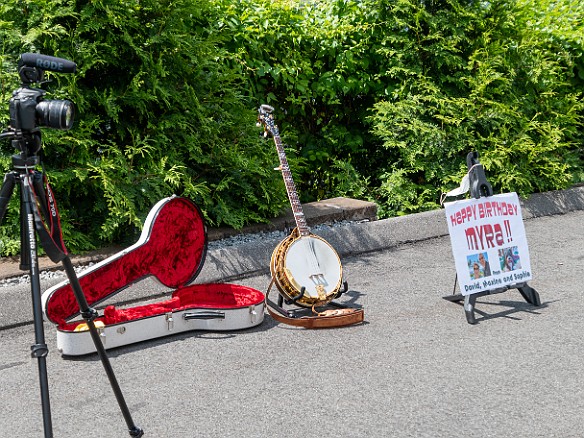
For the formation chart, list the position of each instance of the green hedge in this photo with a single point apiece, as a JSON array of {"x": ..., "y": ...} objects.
[
  {"x": 400, "y": 91},
  {"x": 379, "y": 100},
  {"x": 484, "y": 79}
]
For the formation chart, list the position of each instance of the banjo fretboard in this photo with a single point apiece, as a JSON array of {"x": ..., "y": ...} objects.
[{"x": 299, "y": 218}]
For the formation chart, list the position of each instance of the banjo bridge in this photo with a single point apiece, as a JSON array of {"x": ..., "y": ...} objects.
[{"x": 318, "y": 279}]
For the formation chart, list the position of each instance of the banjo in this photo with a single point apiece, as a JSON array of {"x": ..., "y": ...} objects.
[{"x": 305, "y": 268}]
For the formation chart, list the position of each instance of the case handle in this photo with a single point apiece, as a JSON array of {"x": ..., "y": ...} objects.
[{"x": 204, "y": 315}]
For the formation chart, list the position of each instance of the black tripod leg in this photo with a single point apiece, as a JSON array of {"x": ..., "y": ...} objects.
[
  {"x": 30, "y": 185},
  {"x": 39, "y": 190},
  {"x": 39, "y": 350},
  {"x": 89, "y": 315},
  {"x": 25, "y": 210}
]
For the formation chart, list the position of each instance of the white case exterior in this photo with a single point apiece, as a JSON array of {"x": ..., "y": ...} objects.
[
  {"x": 189, "y": 316},
  {"x": 129, "y": 332}
]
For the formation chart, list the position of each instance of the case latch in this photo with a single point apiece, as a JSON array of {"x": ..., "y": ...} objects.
[
  {"x": 253, "y": 314},
  {"x": 169, "y": 321},
  {"x": 101, "y": 333}
]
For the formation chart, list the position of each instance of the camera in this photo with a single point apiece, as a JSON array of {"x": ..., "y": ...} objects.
[{"x": 28, "y": 109}]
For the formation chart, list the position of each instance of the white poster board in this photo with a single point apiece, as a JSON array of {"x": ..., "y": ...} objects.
[{"x": 488, "y": 242}]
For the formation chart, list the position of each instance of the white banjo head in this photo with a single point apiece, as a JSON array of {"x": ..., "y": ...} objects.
[{"x": 310, "y": 262}]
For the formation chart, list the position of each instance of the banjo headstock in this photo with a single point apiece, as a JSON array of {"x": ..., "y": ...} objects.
[{"x": 266, "y": 119}]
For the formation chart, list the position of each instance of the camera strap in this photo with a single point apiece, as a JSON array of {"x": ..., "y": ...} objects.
[{"x": 46, "y": 217}]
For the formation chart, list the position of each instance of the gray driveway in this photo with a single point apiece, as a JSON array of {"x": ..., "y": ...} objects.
[{"x": 415, "y": 368}]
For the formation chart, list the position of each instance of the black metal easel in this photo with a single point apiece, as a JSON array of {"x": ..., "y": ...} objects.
[
  {"x": 39, "y": 215},
  {"x": 480, "y": 187}
]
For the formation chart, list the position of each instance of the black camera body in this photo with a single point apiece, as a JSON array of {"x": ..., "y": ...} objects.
[
  {"x": 23, "y": 109},
  {"x": 29, "y": 110}
]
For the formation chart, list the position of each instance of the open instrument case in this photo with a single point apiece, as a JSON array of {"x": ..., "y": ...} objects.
[{"x": 172, "y": 249}]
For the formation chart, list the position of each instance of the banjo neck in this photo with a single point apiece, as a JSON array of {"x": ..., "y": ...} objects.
[{"x": 299, "y": 218}]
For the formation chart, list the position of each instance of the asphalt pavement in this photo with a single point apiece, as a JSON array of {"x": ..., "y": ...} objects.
[{"x": 414, "y": 368}]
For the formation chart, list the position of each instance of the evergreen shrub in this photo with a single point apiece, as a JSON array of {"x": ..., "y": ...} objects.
[
  {"x": 375, "y": 99},
  {"x": 160, "y": 112}
]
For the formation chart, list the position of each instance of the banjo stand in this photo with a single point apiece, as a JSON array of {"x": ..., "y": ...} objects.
[
  {"x": 291, "y": 313},
  {"x": 338, "y": 315}
]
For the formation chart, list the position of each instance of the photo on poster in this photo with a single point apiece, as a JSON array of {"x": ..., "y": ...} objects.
[
  {"x": 509, "y": 259},
  {"x": 478, "y": 265}
]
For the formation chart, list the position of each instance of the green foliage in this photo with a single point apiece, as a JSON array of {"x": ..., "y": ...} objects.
[
  {"x": 159, "y": 113},
  {"x": 400, "y": 92},
  {"x": 481, "y": 82},
  {"x": 375, "y": 99},
  {"x": 313, "y": 63}
]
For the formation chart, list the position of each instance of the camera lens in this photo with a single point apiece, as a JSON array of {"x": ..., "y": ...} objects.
[{"x": 58, "y": 114}]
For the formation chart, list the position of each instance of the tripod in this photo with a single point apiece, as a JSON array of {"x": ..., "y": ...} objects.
[
  {"x": 39, "y": 215},
  {"x": 37, "y": 209}
]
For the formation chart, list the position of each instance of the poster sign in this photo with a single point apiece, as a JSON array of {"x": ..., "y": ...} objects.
[{"x": 488, "y": 242}]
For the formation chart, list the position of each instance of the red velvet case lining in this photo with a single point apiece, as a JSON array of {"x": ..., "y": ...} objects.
[
  {"x": 204, "y": 296},
  {"x": 172, "y": 248}
]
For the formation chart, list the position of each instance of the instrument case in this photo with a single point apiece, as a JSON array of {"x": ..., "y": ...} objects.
[{"x": 172, "y": 249}]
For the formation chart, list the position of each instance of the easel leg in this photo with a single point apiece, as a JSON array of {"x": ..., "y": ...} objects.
[
  {"x": 469, "y": 305},
  {"x": 530, "y": 295}
]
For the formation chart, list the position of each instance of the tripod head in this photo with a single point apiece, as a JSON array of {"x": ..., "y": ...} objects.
[{"x": 29, "y": 111}]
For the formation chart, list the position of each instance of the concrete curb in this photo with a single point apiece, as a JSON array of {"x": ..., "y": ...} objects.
[
  {"x": 316, "y": 213},
  {"x": 360, "y": 237},
  {"x": 363, "y": 237}
]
